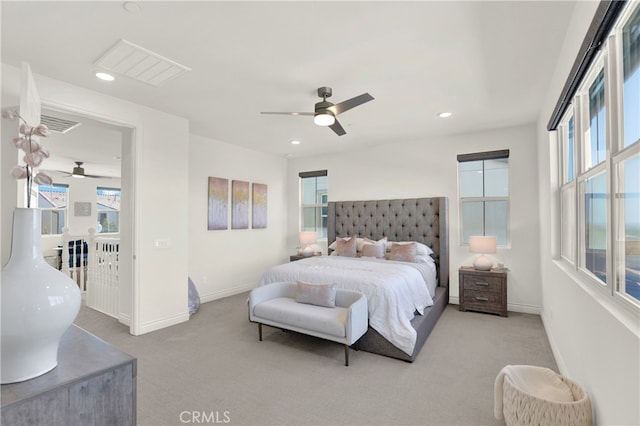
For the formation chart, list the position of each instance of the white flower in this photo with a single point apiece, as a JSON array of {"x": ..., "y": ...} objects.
[
  {"x": 9, "y": 114},
  {"x": 29, "y": 142},
  {"x": 19, "y": 172},
  {"x": 25, "y": 129},
  {"x": 42, "y": 179},
  {"x": 33, "y": 159},
  {"x": 41, "y": 130},
  {"x": 29, "y": 146}
]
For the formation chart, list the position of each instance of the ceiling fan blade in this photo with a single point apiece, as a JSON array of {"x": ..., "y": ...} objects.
[
  {"x": 350, "y": 103},
  {"x": 337, "y": 127},
  {"x": 288, "y": 113},
  {"x": 98, "y": 177}
]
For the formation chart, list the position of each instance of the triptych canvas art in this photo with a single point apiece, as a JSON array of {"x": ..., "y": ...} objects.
[{"x": 243, "y": 195}]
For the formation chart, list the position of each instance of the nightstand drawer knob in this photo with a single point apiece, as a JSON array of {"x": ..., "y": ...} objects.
[
  {"x": 482, "y": 283},
  {"x": 484, "y": 299}
]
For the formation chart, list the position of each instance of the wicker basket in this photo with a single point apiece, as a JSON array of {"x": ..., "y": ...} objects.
[{"x": 521, "y": 408}]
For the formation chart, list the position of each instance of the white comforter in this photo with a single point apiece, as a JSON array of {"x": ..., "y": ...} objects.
[{"x": 394, "y": 290}]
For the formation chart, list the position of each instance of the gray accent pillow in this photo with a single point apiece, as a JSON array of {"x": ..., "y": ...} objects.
[{"x": 316, "y": 294}]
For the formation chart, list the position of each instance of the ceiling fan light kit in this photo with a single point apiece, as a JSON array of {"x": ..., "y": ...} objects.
[
  {"x": 325, "y": 112},
  {"x": 78, "y": 171},
  {"x": 324, "y": 119}
]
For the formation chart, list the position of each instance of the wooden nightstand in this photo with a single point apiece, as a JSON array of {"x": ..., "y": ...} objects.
[{"x": 483, "y": 291}]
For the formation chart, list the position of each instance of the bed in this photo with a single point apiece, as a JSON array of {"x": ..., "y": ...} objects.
[{"x": 423, "y": 220}]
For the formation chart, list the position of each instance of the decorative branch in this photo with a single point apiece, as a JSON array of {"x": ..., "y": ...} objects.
[{"x": 28, "y": 141}]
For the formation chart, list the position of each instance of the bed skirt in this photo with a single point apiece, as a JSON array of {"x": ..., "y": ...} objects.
[{"x": 373, "y": 342}]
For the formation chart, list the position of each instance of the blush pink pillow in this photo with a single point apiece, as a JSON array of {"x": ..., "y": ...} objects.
[
  {"x": 403, "y": 252},
  {"x": 346, "y": 247}
]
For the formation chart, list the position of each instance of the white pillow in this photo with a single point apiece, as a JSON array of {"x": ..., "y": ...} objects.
[
  {"x": 421, "y": 249},
  {"x": 362, "y": 241},
  {"x": 334, "y": 244},
  {"x": 376, "y": 250}
]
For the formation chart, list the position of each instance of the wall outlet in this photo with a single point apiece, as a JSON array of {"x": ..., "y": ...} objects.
[{"x": 163, "y": 243}]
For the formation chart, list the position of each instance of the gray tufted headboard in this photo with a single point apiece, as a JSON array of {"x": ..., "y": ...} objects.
[{"x": 414, "y": 219}]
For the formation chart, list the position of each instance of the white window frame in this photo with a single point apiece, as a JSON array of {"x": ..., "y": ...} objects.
[
  {"x": 608, "y": 59},
  {"x": 320, "y": 230},
  {"x": 462, "y": 200},
  {"x": 99, "y": 211},
  {"x": 568, "y": 185},
  {"x": 35, "y": 194}
]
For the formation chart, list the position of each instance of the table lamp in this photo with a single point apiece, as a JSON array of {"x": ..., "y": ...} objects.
[
  {"x": 307, "y": 239},
  {"x": 483, "y": 245}
]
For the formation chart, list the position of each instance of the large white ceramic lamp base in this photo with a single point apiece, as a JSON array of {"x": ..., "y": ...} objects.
[
  {"x": 39, "y": 303},
  {"x": 482, "y": 263}
]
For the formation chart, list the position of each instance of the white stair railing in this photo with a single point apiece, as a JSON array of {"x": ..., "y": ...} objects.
[
  {"x": 103, "y": 284},
  {"x": 75, "y": 252},
  {"x": 93, "y": 263}
]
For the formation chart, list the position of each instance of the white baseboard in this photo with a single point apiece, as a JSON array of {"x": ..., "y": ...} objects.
[
  {"x": 164, "y": 322},
  {"x": 513, "y": 307},
  {"x": 124, "y": 319},
  {"x": 525, "y": 309},
  {"x": 562, "y": 366},
  {"x": 231, "y": 291}
]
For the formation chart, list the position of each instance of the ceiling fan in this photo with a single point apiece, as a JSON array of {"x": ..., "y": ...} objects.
[
  {"x": 78, "y": 172},
  {"x": 325, "y": 112}
]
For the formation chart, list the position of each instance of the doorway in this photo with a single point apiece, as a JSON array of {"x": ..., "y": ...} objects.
[{"x": 105, "y": 150}]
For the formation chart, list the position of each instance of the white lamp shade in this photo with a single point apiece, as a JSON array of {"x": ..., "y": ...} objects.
[
  {"x": 324, "y": 119},
  {"x": 482, "y": 244},
  {"x": 308, "y": 237}
]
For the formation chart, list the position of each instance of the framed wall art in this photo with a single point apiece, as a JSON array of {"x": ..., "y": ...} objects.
[
  {"x": 239, "y": 204},
  {"x": 217, "y": 217},
  {"x": 259, "y": 206}
]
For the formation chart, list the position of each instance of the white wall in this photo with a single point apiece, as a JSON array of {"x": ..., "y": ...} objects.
[
  {"x": 226, "y": 262},
  {"x": 595, "y": 343},
  {"x": 429, "y": 168},
  {"x": 161, "y": 156}
]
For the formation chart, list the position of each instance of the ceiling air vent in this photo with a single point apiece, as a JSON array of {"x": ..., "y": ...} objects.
[
  {"x": 133, "y": 61},
  {"x": 58, "y": 125}
]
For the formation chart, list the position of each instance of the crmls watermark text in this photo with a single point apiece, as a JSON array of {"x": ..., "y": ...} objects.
[{"x": 205, "y": 417}]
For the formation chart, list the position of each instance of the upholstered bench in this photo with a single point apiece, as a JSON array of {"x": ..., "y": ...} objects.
[{"x": 308, "y": 309}]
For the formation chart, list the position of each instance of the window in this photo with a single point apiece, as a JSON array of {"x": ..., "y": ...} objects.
[
  {"x": 52, "y": 201},
  {"x": 594, "y": 248},
  {"x": 484, "y": 195},
  {"x": 314, "y": 199},
  {"x": 595, "y": 140},
  {"x": 599, "y": 166},
  {"x": 108, "y": 206},
  {"x": 631, "y": 75},
  {"x": 568, "y": 189}
]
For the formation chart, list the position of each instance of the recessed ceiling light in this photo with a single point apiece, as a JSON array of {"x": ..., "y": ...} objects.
[
  {"x": 295, "y": 142},
  {"x": 445, "y": 114},
  {"x": 104, "y": 76}
]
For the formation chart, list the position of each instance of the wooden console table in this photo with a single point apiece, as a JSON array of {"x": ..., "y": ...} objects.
[{"x": 93, "y": 384}]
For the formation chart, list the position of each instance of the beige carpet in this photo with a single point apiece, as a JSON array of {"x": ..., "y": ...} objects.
[{"x": 213, "y": 369}]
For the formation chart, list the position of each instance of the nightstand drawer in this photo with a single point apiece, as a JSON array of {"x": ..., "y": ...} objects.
[
  {"x": 482, "y": 283},
  {"x": 474, "y": 298}
]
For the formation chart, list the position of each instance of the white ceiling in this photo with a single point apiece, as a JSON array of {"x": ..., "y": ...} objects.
[{"x": 487, "y": 62}]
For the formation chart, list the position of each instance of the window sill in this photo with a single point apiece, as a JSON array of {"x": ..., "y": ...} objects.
[{"x": 625, "y": 312}]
